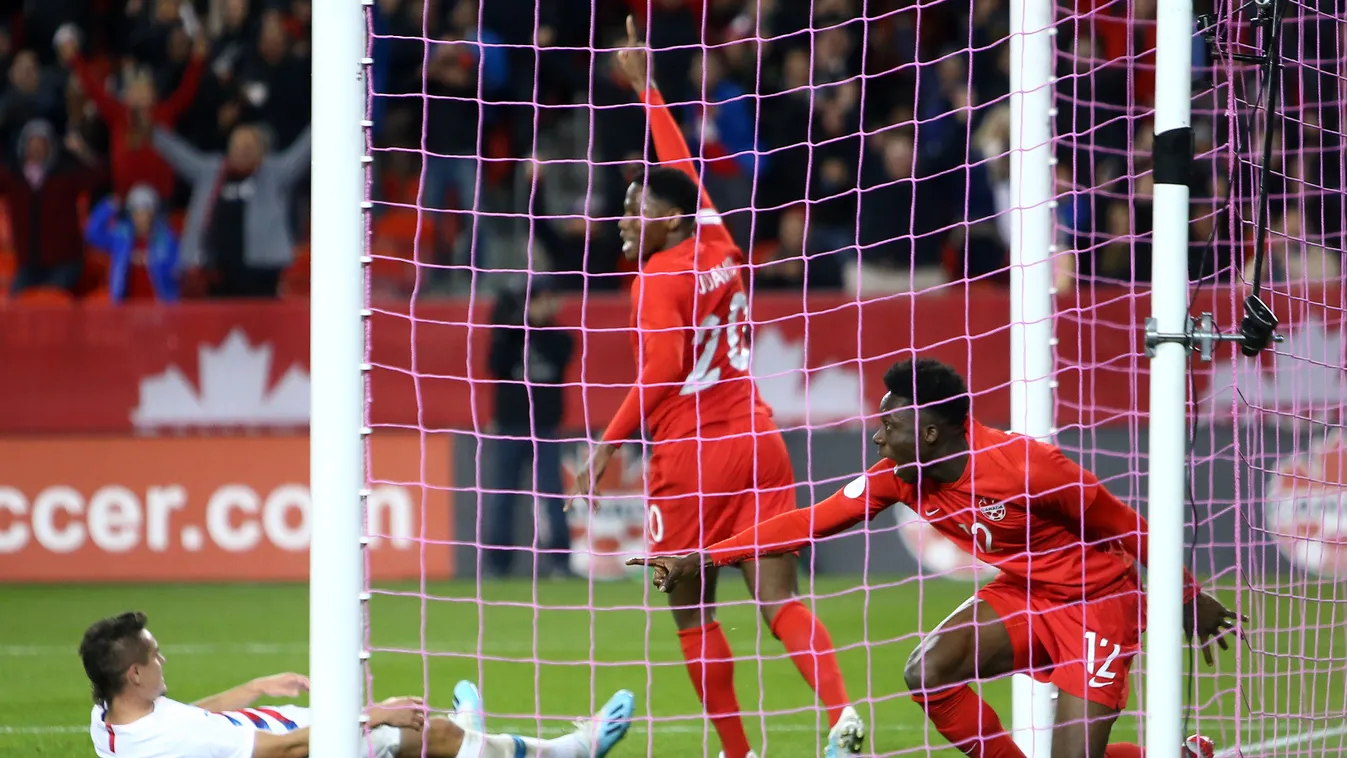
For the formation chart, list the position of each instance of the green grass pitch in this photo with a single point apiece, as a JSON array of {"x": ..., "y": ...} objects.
[{"x": 540, "y": 649}]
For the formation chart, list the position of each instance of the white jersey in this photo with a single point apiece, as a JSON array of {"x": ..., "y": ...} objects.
[{"x": 178, "y": 730}]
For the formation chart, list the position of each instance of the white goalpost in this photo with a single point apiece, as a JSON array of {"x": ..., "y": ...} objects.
[
  {"x": 1164, "y": 646},
  {"x": 1031, "y": 286},
  {"x": 337, "y": 400}
]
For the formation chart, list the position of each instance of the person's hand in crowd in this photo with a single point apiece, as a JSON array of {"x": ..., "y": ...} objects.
[
  {"x": 67, "y": 44},
  {"x": 76, "y": 145}
]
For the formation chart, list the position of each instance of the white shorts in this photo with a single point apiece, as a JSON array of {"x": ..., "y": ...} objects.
[{"x": 383, "y": 741}]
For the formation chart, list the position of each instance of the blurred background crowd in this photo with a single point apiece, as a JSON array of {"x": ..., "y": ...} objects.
[{"x": 159, "y": 148}]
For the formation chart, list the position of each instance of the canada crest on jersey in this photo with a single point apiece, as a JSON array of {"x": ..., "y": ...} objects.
[{"x": 991, "y": 510}]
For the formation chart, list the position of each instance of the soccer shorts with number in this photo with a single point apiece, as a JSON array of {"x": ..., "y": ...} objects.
[
  {"x": 1085, "y": 648},
  {"x": 703, "y": 491}
]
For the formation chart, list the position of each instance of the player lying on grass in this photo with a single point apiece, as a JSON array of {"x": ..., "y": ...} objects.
[
  {"x": 133, "y": 719},
  {"x": 1067, "y": 603},
  {"x": 719, "y": 463}
]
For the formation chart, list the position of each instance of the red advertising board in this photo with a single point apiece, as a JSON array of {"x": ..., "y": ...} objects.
[
  {"x": 237, "y": 508},
  {"x": 818, "y": 360}
]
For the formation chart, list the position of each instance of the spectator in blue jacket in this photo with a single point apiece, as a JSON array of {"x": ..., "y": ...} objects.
[{"x": 142, "y": 248}]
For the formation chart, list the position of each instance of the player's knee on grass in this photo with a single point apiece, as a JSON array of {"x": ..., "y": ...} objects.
[{"x": 443, "y": 739}]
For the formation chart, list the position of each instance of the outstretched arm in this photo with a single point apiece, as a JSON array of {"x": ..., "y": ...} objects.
[
  {"x": 670, "y": 147},
  {"x": 863, "y": 498},
  {"x": 244, "y": 695},
  {"x": 788, "y": 532}
]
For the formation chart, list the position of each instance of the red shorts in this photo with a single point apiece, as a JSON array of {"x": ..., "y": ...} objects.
[
  {"x": 1084, "y": 648},
  {"x": 703, "y": 491}
]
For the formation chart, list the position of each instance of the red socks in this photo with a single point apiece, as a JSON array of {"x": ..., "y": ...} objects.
[
  {"x": 1124, "y": 750},
  {"x": 711, "y": 666},
  {"x": 964, "y": 718},
  {"x": 811, "y": 650}
]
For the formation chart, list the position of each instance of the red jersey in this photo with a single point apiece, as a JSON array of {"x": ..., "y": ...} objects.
[
  {"x": 689, "y": 318},
  {"x": 1021, "y": 506}
]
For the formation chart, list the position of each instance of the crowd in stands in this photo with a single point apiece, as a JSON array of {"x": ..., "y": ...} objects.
[
  {"x": 158, "y": 148},
  {"x": 155, "y": 149}
]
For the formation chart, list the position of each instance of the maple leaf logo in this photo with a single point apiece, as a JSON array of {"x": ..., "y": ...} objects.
[
  {"x": 233, "y": 390},
  {"x": 831, "y": 394}
]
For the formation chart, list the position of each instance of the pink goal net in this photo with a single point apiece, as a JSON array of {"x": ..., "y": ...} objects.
[{"x": 858, "y": 155}]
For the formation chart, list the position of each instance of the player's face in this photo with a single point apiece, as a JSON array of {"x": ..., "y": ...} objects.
[
  {"x": 900, "y": 434},
  {"x": 148, "y": 677},
  {"x": 645, "y": 224}
]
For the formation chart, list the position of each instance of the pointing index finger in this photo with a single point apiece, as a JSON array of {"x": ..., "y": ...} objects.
[{"x": 631, "y": 31}]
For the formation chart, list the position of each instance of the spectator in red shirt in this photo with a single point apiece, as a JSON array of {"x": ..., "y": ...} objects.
[
  {"x": 43, "y": 196},
  {"x": 131, "y": 121}
]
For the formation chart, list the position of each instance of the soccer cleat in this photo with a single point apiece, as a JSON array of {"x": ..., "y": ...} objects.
[
  {"x": 469, "y": 713},
  {"x": 1198, "y": 746},
  {"x": 847, "y": 736},
  {"x": 607, "y": 728},
  {"x": 751, "y": 754}
]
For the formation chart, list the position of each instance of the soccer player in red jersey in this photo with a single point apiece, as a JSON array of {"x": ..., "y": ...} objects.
[
  {"x": 1067, "y": 603},
  {"x": 718, "y": 462}
]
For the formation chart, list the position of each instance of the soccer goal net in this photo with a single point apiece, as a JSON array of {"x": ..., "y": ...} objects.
[{"x": 860, "y": 156}]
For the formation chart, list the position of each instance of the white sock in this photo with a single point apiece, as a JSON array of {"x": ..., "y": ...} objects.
[{"x": 478, "y": 745}]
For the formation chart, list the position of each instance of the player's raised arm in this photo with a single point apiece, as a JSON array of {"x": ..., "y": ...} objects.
[
  {"x": 244, "y": 695},
  {"x": 670, "y": 147},
  {"x": 862, "y": 499}
]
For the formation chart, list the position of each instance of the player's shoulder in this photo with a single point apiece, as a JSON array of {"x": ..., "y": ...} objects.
[{"x": 1013, "y": 448}]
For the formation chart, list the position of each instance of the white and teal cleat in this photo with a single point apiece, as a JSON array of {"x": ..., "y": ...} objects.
[
  {"x": 469, "y": 713},
  {"x": 609, "y": 725},
  {"x": 847, "y": 736}
]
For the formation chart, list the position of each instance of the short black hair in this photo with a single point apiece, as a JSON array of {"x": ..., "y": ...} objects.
[
  {"x": 932, "y": 386},
  {"x": 674, "y": 188},
  {"x": 110, "y": 647}
]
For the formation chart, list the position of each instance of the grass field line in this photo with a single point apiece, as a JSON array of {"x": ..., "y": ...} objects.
[{"x": 1282, "y": 742}]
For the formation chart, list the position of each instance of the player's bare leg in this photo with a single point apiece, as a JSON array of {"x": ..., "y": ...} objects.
[
  {"x": 774, "y": 583},
  {"x": 709, "y": 660},
  {"x": 1082, "y": 730},
  {"x": 443, "y": 738},
  {"x": 971, "y": 644},
  {"x": 1083, "y": 727}
]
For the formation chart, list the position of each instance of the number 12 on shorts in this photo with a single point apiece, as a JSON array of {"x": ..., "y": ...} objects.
[{"x": 1104, "y": 675}]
